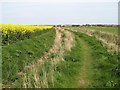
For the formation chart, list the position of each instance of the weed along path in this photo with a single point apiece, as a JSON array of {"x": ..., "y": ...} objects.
[
  {"x": 76, "y": 70},
  {"x": 44, "y": 66},
  {"x": 60, "y": 58},
  {"x": 41, "y": 74},
  {"x": 75, "y": 60}
]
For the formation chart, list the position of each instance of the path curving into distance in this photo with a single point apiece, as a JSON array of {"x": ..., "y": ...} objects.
[
  {"x": 40, "y": 74},
  {"x": 74, "y": 61},
  {"x": 97, "y": 68},
  {"x": 86, "y": 66}
]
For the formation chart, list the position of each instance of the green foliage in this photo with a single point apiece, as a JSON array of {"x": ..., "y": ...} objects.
[
  {"x": 18, "y": 36},
  {"x": 105, "y": 71},
  {"x": 20, "y": 54},
  {"x": 67, "y": 71},
  {"x": 113, "y": 30},
  {"x": 103, "y": 65}
]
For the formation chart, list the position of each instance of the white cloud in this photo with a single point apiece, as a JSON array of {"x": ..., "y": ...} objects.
[{"x": 59, "y": 1}]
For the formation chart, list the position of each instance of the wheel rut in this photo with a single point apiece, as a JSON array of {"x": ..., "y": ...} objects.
[{"x": 31, "y": 74}]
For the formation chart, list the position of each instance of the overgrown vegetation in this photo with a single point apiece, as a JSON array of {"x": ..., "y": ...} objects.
[
  {"x": 88, "y": 59},
  {"x": 107, "y": 35},
  {"x": 105, "y": 71},
  {"x": 67, "y": 71},
  {"x": 105, "y": 65},
  {"x": 20, "y": 54},
  {"x": 12, "y": 33},
  {"x": 13, "y": 38}
]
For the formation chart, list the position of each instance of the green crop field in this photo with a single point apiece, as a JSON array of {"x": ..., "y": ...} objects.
[
  {"x": 112, "y": 30},
  {"x": 60, "y": 57}
]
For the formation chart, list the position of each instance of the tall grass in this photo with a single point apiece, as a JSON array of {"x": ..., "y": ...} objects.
[{"x": 20, "y": 54}]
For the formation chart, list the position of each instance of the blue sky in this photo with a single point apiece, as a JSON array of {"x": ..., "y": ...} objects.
[{"x": 60, "y": 12}]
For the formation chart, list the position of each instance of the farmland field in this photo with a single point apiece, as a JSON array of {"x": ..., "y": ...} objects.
[
  {"x": 113, "y": 30},
  {"x": 59, "y": 57}
]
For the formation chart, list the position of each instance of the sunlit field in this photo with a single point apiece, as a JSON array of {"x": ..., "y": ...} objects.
[{"x": 59, "y": 57}]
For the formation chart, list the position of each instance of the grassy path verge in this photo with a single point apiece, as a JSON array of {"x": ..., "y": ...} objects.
[
  {"x": 75, "y": 60},
  {"x": 98, "y": 65},
  {"x": 86, "y": 67},
  {"x": 20, "y": 54},
  {"x": 41, "y": 74},
  {"x": 76, "y": 71},
  {"x": 109, "y": 40}
]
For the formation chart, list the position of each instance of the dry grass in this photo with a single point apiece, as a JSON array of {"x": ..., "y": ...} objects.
[
  {"x": 111, "y": 41},
  {"x": 58, "y": 50}
]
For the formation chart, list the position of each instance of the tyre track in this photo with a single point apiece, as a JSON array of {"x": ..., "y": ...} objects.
[{"x": 63, "y": 42}]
